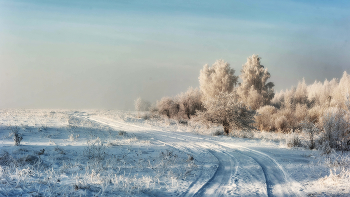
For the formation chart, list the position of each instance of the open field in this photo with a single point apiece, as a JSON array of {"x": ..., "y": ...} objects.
[{"x": 114, "y": 153}]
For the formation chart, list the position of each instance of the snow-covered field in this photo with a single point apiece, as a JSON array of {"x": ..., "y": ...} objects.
[{"x": 114, "y": 153}]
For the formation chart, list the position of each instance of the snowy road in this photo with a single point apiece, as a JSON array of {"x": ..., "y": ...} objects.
[{"x": 240, "y": 171}]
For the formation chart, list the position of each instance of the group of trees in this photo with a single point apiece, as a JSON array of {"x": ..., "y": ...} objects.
[
  {"x": 220, "y": 98},
  {"x": 183, "y": 106},
  {"x": 322, "y": 110},
  {"x": 222, "y": 102},
  {"x": 248, "y": 102}
]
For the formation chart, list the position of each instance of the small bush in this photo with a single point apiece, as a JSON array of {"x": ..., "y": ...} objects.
[
  {"x": 6, "y": 159},
  {"x": 264, "y": 118},
  {"x": 311, "y": 130},
  {"x": 336, "y": 130},
  {"x": 29, "y": 159},
  {"x": 95, "y": 150},
  {"x": 146, "y": 116},
  {"x": 218, "y": 132},
  {"x": 294, "y": 141},
  {"x": 183, "y": 122},
  {"x": 315, "y": 114},
  {"x": 17, "y": 137},
  {"x": 281, "y": 123},
  {"x": 168, "y": 107},
  {"x": 189, "y": 158}
]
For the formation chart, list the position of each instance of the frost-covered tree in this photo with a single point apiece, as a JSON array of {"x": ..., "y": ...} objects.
[
  {"x": 336, "y": 129},
  {"x": 322, "y": 94},
  {"x": 339, "y": 93},
  {"x": 311, "y": 130},
  {"x": 254, "y": 99},
  {"x": 301, "y": 94},
  {"x": 190, "y": 102},
  {"x": 218, "y": 78},
  {"x": 288, "y": 99},
  {"x": 142, "y": 105},
  {"x": 225, "y": 109},
  {"x": 264, "y": 118},
  {"x": 168, "y": 106},
  {"x": 255, "y": 75}
]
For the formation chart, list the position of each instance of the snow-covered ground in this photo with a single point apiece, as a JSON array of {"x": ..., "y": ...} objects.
[{"x": 114, "y": 153}]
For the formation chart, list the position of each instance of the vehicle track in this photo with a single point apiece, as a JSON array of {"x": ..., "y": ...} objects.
[
  {"x": 264, "y": 170},
  {"x": 196, "y": 151},
  {"x": 215, "y": 185},
  {"x": 278, "y": 183},
  {"x": 221, "y": 178}
]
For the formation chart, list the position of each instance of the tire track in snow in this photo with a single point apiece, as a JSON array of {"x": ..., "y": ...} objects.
[
  {"x": 278, "y": 183},
  {"x": 216, "y": 185},
  {"x": 221, "y": 178},
  {"x": 195, "y": 150}
]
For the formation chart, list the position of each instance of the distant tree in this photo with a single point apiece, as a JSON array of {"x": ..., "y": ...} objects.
[
  {"x": 289, "y": 101},
  {"x": 224, "y": 109},
  {"x": 253, "y": 74},
  {"x": 142, "y": 105},
  {"x": 301, "y": 94},
  {"x": 339, "y": 93},
  {"x": 217, "y": 79}
]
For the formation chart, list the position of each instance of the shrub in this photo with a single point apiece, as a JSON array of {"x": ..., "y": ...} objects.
[
  {"x": 301, "y": 112},
  {"x": 315, "y": 114},
  {"x": 336, "y": 130},
  {"x": 217, "y": 132},
  {"x": 311, "y": 130},
  {"x": 294, "y": 141},
  {"x": 95, "y": 150},
  {"x": 264, "y": 118},
  {"x": 281, "y": 123},
  {"x": 190, "y": 102},
  {"x": 168, "y": 107},
  {"x": 17, "y": 137}
]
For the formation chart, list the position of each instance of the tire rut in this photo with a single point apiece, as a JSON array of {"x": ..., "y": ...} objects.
[
  {"x": 195, "y": 150},
  {"x": 276, "y": 179}
]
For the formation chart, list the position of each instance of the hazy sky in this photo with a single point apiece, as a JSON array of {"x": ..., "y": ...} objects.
[{"x": 106, "y": 53}]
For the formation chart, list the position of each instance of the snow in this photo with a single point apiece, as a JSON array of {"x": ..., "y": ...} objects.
[{"x": 114, "y": 153}]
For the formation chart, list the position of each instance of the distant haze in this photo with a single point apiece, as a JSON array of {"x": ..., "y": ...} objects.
[{"x": 105, "y": 54}]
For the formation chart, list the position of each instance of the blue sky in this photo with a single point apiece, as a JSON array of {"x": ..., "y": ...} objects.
[{"x": 105, "y": 54}]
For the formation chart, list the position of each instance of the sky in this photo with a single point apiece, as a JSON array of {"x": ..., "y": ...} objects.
[{"x": 106, "y": 53}]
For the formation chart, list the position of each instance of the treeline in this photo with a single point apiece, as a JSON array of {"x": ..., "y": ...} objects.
[{"x": 321, "y": 109}]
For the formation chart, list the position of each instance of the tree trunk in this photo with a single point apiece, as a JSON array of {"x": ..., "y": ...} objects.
[
  {"x": 226, "y": 126},
  {"x": 168, "y": 113},
  {"x": 188, "y": 115}
]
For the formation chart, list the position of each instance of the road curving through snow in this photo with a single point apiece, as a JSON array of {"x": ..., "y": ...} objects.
[{"x": 241, "y": 171}]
